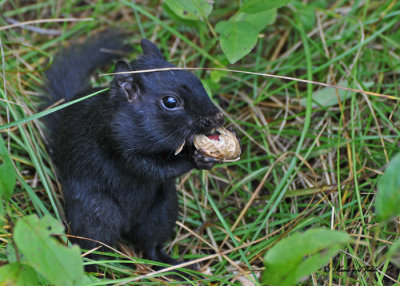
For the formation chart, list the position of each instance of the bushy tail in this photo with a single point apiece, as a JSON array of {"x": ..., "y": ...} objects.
[{"x": 69, "y": 74}]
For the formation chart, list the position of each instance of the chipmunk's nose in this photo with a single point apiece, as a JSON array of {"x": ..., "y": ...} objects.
[{"x": 208, "y": 123}]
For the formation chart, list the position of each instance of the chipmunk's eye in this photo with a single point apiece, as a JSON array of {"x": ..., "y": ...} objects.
[{"x": 170, "y": 102}]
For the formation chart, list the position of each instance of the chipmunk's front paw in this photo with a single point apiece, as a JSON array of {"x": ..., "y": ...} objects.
[{"x": 202, "y": 161}]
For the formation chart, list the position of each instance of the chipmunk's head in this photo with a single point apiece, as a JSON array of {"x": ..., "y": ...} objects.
[{"x": 165, "y": 107}]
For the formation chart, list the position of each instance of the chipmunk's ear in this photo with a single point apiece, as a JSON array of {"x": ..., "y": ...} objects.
[
  {"x": 128, "y": 83},
  {"x": 120, "y": 67},
  {"x": 149, "y": 49}
]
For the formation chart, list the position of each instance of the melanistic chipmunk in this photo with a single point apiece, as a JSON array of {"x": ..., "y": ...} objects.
[{"x": 115, "y": 151}]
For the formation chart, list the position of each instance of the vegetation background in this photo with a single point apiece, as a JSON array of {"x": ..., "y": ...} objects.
[{"x": 312, "y": 156}]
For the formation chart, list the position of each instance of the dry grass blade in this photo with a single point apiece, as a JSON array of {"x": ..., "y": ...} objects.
[
  {"x": 21, "y": 24},
  {"x": 264, "y": 75}
]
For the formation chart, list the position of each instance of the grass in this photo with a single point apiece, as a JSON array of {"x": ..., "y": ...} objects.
[{"x": 301, "y": 167}]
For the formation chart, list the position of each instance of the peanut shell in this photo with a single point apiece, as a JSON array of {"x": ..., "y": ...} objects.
[{"x": 227, "y": 148}]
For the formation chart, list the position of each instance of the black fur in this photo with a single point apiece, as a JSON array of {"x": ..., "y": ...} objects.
[{"x": 115, "y": 151}]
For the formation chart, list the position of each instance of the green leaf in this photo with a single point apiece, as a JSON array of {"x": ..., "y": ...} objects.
[
  {"x": 255, "y": 6},
  {"x": 210, "y": 86},
  {"x": 387, "y": 202},
  {"x": 328, "y": 96},
  {"x": 17, "y": 274},
  {"x": 11, "y": 253},
  {"x": 190, "y": 9},
  {"x": 7, "y": 173},
  {"x": 216, "y": 75},
  {"x": 236, "y": 38},
  {"x": 300, "y": 255},
  {"x": 59, "y": 264},
  {"x": 258, "y": 20},
  {"x": 186, "y": 22}
]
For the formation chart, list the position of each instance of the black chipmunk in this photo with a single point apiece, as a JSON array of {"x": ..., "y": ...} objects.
[{"x": 114, "y": 152}]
